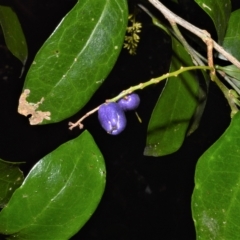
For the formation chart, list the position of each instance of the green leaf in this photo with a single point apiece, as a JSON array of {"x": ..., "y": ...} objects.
[
  {"x": 11, "y": 177},
  {"x": 74, "y": 61},
  {"x": 215, "y": 200},
  {"x": 232, "y": 39},
  {"x": 13, "y": 34},
  {"x": 174, "y": 109},
  {"x": 219, "y": 11},
  {"x": 230, "y": 70},
  {"x": 59, "y": 195}
]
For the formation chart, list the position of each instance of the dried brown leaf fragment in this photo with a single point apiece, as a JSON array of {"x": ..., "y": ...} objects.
[{"x": 25, "y": 108}]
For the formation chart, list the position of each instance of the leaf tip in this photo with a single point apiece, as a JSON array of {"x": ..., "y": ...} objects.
[{"x": 151, "y": 150}]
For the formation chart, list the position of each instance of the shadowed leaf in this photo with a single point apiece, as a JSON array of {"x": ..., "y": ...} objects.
[
  {"x": 11, "y": 177},
  {"x": 13, "y": 34},
  {"x": 174, "y": 109}
]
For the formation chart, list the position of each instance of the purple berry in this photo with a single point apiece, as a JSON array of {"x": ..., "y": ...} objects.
[
  {"x": 112, "y": 118},
  {"x": 129, "y": 102}
]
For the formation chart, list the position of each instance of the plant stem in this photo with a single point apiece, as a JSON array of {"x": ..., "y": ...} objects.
[
  {"x": 137, "y": 87},
  {"x": 156, "y": 80},
  {"x": 204, "y": 35},
  {"x": 229, "y": 80},
  {"x": 79, "y": 122},
  {"x": 155, "y": 21},
  {"x": 196, "y": 60},
  {"x": 176, "y": 33},
  {"x": 227, "y": 94}
]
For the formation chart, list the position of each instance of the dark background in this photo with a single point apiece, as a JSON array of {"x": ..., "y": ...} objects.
[{"x": 145, "y": 197}]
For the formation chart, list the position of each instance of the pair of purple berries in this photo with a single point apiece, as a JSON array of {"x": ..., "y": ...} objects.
[{"x": 111, "y": 115}]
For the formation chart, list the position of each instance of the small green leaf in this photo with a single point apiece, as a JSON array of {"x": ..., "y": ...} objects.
[
  {"x": 231, "y": 70},
  {"x": 74, "y": 61},
  {"x": 174, "y": 109},
  {"x": 232, "y": 39},
  {"x": 215, "y": 200},
  {"x": 11, "y": 177},
  {"x": 219, "y": 11},
  {"x": 59, "y": 195},
  {"x": 13, "y": 34}
]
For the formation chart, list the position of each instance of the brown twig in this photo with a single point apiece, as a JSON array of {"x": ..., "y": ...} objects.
[
  {"x": 171, "y": 17},
  {"x": 79, "y": 122},
  {"x": 209, "y": 44}
]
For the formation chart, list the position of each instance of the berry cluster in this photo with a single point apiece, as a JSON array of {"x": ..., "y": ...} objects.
[{"x": 111, "y": 115}]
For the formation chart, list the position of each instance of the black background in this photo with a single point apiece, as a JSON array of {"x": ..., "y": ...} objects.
[{"x": 145, "y": 197}]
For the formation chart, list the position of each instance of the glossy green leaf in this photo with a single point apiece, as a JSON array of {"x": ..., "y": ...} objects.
[
  {"x": 174, "y": 109},
  {"x": 13, "y": 34},
  {"x": 232, "y": 39},
  {"x": 11, "y": 177},
  {"x": 219, "y": 11},
  {"x": 59, "y": 195},
  {"x": 231, "y": 70},
  {"x": 215, "y": 200},
  {"x": 74, "y": 61}
]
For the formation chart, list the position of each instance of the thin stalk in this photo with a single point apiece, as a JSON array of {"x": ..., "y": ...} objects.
[
  {"x": 156, "y": 80},
  {"x": 203, "y": 34},
  {"x": 227, "y": 94},
  {"x": 229, "y": 80},
  {"x": 189, "y": 49},
  {"x": 134, "y": 88},
  {"x": 176, "y": 33}
]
